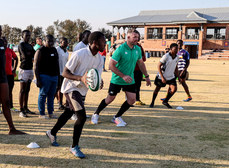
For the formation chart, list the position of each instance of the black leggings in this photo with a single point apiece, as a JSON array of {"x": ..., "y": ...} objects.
[
  {"x": 76, "y": 98},
  {"x": 78, "y": 126}
]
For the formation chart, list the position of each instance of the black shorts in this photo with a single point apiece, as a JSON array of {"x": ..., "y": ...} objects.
[
  {"x": 159, "y": 83},
  {"x": 115, "y": 89}
]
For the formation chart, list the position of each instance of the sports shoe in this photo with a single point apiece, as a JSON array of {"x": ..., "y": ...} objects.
[
  {"x": 119, "y": 121},
  {"x": 52, "y": 138},
  {"x": 28, "y": 111},
  {"x": 188, "y": 99},
  {"x": 43, "y": 117},
  {"x": 61, "y": 107},
  {"x": 23, "y": 114},
  {"x": 53, "y": 116},
  {"x": 77, "y": 152},
  {"x": 166, "y": 104},
  {"x": 94, "y": 119},
  {"x": 162, "y": 99},
  {"x": 74, "y": 117},
  {"x": 139, "y": 103},
  {"x": 14, "y": 110},
  {"x": 151, "y": 105}
]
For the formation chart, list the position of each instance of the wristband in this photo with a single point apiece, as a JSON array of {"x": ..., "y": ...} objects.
[{"x": 146, "y": 76}]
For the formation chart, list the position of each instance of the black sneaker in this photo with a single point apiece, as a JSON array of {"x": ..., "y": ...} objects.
[
  {"x": 61, "y": 107},
  {"x": 28, "y": 111},
  {"x": 166, "y": 104},
  {"x": 151, "y": 105}
]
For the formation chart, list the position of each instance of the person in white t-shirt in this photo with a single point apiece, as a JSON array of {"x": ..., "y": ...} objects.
[
  {"x": 166, "y": 69},
  {"x": 75, "y": 88},
  {"x": 63, "y": 58},
  {"x": 84, "y": 42}
]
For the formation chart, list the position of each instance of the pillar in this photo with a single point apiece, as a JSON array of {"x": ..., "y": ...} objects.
[
  {"x": 118, "y": 34},
  {"x": 200, "y": 43},
  {"x": 112, "y": 38}
]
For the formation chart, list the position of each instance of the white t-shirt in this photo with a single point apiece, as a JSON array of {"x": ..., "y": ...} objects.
[
  {"x": 80, "y": 62},
  {"x": 79, "y": 46},
  {"x": 63, "y": 58},
  {"x": 169, "y": 65}
]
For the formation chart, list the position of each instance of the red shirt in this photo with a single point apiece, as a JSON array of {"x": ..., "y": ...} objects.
[
  {"x": 9, "y": 55},
  {"x": 103, "y": 53},
  {"x": 143, "y": 57}
]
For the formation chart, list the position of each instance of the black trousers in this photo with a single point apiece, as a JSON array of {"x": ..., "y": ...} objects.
[{"x": 138, "y": 81}]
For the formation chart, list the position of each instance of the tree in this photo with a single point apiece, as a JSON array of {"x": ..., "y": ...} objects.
[
  {"x": 6, "y": 29},
  {"x": 38, "y": 32},
  {"x": 82, "y": 25},
  {"x": 50, "y": 30},
  {"x": 15, "y": 35},
  {"x": 30, "y": 28},
  {"x": 106, "y": 32},
  {"x": 70, "y": 29},
  {"x": 35, "y": 32},
  {"x": 12, "y": 34}
]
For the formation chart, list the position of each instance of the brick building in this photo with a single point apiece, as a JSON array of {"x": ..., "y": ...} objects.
[{"x": 205, "y": 31}]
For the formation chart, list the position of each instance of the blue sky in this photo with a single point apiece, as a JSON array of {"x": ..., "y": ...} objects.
[{"x": 97, "y": 13}]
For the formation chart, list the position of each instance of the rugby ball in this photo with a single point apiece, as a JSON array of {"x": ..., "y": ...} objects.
[{"x": 93, "y": 80}]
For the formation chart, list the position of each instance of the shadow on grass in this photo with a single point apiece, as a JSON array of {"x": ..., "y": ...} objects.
[{"x": 103, "y": 161}]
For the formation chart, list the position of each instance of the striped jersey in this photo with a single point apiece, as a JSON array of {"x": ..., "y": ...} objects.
[{"x": 183, "y": 58}]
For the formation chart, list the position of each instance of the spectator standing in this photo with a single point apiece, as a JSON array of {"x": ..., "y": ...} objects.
[
  {"x": 46, "y": 68},
  {"x": 38, "y": 43},
  {"x": 84, "y": 42},
  {"x": 103, "y": 54},
  {"x": 4, "y": 90},
  {"x": 10, "y": 72},
  {"x": 25, "y": 74},
  {"x": 63, "y": 58}
]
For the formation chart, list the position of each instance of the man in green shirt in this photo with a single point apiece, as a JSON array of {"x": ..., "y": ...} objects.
[{"x": 122, "y": 65}]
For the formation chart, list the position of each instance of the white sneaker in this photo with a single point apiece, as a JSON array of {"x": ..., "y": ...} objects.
[
  {"x": 23, "y": 115},
  {"x": 74, "y": 117},
  {"x": 53, "y": 116},
  {"x": 119, "y": 122},
  {"x": 94, "y": 119},
  {"x": 43, "y": 117}
]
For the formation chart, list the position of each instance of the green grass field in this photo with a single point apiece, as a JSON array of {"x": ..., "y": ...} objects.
[{"x": 196, "y": 137}]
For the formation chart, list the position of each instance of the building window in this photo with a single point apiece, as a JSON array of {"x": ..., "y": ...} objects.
[
  {"x": 172, "y": 33},
  {"x": 192, "y": 33},
  {"x": 216, "y": 33},
  {"x": 154, "y": 33}
]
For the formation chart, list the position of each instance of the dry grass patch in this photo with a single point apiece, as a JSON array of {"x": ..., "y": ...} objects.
[{"x": 196, "y": 137}]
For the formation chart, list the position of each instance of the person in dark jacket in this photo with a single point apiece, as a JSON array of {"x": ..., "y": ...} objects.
[{"x": 46, "y": 68}]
